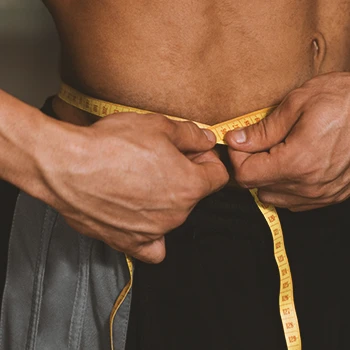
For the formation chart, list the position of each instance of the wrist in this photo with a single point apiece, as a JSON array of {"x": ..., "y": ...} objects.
[
  {"x": 59, "y": 150},
  {"x": 18, "y": 130},
  {"x": 34, "y": 148}
]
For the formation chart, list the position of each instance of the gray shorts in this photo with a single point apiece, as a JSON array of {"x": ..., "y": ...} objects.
[{"x": 61, "y": 286}]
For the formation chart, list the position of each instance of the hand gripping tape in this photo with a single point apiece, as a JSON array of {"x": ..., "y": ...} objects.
[{"x": 286, "y": 299}]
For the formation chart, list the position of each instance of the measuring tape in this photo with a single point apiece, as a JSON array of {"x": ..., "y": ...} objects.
[{"x": 286, "y": 298}]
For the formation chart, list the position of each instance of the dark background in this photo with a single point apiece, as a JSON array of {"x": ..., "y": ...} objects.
[{"x": 29, "y": 54}]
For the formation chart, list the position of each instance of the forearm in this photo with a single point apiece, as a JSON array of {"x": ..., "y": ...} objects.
[
  {"x": 19, "y": 124},
  {"x": 114, "y": 180},
  {"x": 29, "y": 141}
]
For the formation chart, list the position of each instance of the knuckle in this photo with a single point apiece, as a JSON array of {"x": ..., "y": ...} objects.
[
  {"x": 309, "y": 179},
  {"x": 134, "y": 248},
  {"x": 225, "y": 177},
  {"x": 144, "y": 238},
  {"x": 162, "y": 122},
  {"x": 195, "y": 188},
  {"x": 293, "y": 100},
  {"x": 314, "y": 191},
  {"x": 242, "y": 179},
  {"x": 209, "y": 185},
  {"x": 343, "y": 195}
]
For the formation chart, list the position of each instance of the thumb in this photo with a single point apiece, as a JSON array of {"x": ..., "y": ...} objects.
[
  {"x": 188, "y": 137},
  {"x": 265, "y": 134}
]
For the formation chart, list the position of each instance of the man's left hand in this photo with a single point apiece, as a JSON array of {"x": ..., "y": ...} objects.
[{"x": 299, "y": 156}]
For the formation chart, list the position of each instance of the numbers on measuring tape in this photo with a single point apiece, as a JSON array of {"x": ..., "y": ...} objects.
[{"x": 286, "y": 299}]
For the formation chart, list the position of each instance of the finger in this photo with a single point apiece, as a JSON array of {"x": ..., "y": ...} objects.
[
  {"x": 286, "y": 187},
  {"x": 341, "y": 196},
  {"x": 268, "y": 132},
  {"x": 194, "y": 155},
  {"x": 188, "y": 137},
  {"x": 284, "y": 200},
  {"x": 260, "y": 169},
  {"x": 326, "y": 192},
  {"x": 208, "y": 156},
  {"x": 237, "y": 158},
  {"x": 151, "y": 253},
  {"x": 210, "y": 172}
]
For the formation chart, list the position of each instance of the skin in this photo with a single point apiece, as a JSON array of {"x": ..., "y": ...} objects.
[
  {"x": 211, "y": 60},
  {"x": 299, "y": 156},
  {"x": 97, "y": 180},
  {"x": 207, "y": 60}
]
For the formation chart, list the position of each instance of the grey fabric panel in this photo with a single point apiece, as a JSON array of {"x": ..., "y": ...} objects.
[
  {"x": 39, "y": 276},
  {"x": 81, "y": 294},
  {"x": 121, "y": 324},
  {"x": 25, "y": 243},
  {"x": 61, "y": 286},
  {"x": 62, "y": 269},
  {"x": 108, "y": 276}
]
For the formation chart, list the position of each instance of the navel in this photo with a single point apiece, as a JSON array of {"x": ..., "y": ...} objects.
[{"x": 319, "y": 47}]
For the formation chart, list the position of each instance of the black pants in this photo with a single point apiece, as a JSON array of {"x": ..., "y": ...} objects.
[{"x": 218, "y": 286}]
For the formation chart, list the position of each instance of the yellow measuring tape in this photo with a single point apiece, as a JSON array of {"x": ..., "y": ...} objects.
[{"x": 286, "y": 299}]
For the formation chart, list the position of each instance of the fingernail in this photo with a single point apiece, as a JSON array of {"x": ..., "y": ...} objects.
[
  {"x": 239, "y": 135},
  {"x": 210, "y": 135}
]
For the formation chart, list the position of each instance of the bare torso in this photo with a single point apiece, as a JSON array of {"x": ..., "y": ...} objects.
[{"x": 205, "y": 60}]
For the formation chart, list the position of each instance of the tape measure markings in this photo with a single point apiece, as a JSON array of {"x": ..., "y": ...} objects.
[{"x": 286, "y": 299}]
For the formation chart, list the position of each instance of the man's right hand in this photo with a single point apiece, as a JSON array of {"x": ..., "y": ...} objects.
[{"x": 128, "y": 179}]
